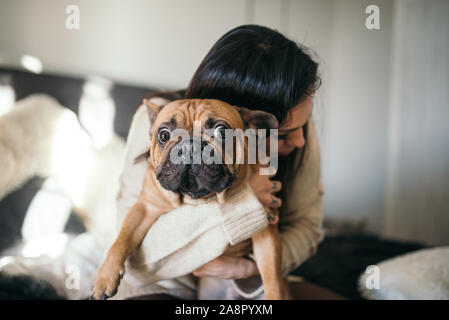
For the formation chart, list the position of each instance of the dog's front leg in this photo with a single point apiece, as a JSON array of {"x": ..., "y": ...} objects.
[
  {"x": 268, "y": 254},
  {"x": 134, "y": 228}
]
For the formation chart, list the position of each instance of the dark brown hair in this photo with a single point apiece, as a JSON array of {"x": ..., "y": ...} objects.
[{"x": 256, "y": 67}]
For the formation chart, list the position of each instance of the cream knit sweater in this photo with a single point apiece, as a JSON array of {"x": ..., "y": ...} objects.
[{"x": 190, "y": 236}]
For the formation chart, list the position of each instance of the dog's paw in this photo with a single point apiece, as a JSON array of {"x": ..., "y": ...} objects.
[{"x": 107, "y": 281}]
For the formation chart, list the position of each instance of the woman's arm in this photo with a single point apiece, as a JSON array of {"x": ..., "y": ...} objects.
[
  {"x": 302, "y": 212},
  {"x": 231, "y": 267},
  {"x": 300, "y": 221}
]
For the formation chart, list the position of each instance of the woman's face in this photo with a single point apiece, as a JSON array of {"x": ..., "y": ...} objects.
[{"x": 291, "y": 134}]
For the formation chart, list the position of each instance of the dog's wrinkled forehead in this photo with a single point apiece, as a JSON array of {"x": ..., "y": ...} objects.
[{"x": 183, "y": 114}]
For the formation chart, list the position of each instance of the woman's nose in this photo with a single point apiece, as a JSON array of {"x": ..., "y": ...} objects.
[{"x": 296, "y": 139}]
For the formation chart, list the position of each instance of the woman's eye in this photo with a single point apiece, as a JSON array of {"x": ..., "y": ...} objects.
[
  {"x": 219, "y": 132},
  {"x": 163, "y": 135}
]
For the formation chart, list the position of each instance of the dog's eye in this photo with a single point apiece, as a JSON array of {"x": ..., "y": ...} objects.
[
  {"x": 219, "y": 132},
  {"x": 163, "y": 135}
]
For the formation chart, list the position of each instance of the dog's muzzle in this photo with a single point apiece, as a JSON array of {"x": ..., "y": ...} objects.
[{"x": 189, "y": 174}]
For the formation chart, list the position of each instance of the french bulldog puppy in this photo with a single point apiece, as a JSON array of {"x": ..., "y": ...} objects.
[{"x": 174, "y": 178}]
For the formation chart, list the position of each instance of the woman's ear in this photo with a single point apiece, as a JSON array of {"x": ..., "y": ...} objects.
[
  {"x": 257, "y": 119},
  {"x": 152, "y": 110}
]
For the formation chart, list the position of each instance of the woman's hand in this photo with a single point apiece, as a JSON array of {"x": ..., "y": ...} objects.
[
  {"x": 228, "y": 267},
  {"x": 264, "y": 189}
]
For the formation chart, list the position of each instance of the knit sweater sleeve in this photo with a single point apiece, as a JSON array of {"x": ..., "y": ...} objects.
[{"x": 185, "y": 238}]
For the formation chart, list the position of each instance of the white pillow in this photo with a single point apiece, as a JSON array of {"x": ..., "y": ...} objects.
[{"x": 423, "y": 275}]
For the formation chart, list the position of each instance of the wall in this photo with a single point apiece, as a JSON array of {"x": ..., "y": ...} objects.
[
  {"x": 355, "y": 114},
  {"x": 418, "y": 185},
  {"x": 148, "y": 42}
]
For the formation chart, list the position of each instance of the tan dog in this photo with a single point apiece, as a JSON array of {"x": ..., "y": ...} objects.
[{"x": 168, "y": 185}]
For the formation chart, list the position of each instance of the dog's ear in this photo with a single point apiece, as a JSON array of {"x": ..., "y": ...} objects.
[
  {"x": 152, "y": 110},
  {"x": 257, "y": 119}
]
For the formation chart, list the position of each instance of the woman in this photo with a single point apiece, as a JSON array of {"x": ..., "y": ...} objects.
[{"x": 257, "y": 68}]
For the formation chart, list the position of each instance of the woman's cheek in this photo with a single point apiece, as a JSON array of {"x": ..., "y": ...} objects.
[
  {"x": 298, "y": 141},
  {"x": 284, "y": 148}
]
